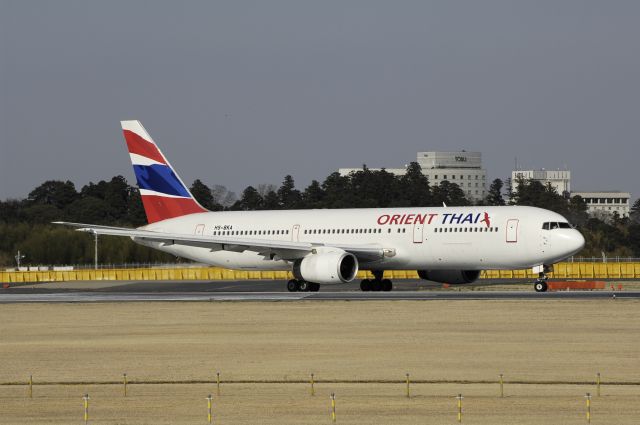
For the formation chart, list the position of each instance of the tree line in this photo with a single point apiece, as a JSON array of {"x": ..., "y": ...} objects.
[{"x": 25, "y": 224}]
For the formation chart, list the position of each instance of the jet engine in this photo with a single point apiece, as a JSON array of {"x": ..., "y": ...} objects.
[
  {"x": 326, "y": 265},
  {"x": 450, "y": 276}
]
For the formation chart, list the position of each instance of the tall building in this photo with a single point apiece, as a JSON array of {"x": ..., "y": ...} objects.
[
  {"x": 559, "y": 179},
  {"x": 604, "y": 204},
  {"x": 462, "y": 168}
]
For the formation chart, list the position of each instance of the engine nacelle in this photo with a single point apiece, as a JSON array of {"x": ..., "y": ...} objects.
[
  {"x": 326, "y": 265},
  {"x": 454, "y": 277}
]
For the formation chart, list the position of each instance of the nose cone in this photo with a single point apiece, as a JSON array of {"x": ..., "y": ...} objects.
[{"x": 575, "y": 242}]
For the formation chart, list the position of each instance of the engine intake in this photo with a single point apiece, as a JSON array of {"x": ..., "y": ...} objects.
[
  {"x": 330, "y": 265},
  {"x": 455, "y": 277}
]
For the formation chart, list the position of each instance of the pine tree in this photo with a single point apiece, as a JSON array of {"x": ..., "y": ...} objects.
[{"x": 494, "y": 196}]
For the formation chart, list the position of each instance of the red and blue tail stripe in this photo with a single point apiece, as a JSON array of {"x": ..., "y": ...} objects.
[{"x": 163, "y": 193}]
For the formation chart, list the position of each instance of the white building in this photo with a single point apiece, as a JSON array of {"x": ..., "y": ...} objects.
[
  {"x": 559, "y": 179},
  {"x": 604, "y": 204},
  {"x": 462, "y": 168}
]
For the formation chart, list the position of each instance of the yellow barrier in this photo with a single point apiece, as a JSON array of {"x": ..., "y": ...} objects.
[{"x": 561, "y": 271}]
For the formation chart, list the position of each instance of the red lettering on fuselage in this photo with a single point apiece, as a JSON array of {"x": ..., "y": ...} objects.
[
  {"x": 383, "y": 219},
  {"x": 401, "y": 219}
]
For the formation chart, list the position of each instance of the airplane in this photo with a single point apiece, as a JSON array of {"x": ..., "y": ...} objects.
[{"x": 328, "y": 246}]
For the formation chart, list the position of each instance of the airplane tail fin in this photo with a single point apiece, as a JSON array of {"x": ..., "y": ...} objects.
[{"x": 163, "y": 193}]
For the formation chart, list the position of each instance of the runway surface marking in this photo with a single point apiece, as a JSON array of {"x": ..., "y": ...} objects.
[{"x": 86, "y": 297}]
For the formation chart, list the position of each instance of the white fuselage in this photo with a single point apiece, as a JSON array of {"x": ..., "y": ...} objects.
[{"x": 466, "y": 238}]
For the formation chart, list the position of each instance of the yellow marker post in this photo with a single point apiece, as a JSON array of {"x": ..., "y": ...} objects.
[
  {"x": 124, "y": 381},
  {"x": 598, "y": 383},
  {"x": 313, "y": 391},
  {"x": 333, "y": 407},
  {"x": 218, "y": 383},
  {"x": 501, "y": 387},
  {"x": 30, "y": 386},
  {"x": 459, "y": 397},
  {"x": 86, "y": 408},
  {"x": 408, "y": 390},
  {"x": 209, "y": 415},
  {"x": 588, "y": 397}
]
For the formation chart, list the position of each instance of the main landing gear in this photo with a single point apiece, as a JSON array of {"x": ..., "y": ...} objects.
[
  {"x": 376, "y": 284},
  {"x": 540, "y": 285},
  {"x": 295, "y": 285}
]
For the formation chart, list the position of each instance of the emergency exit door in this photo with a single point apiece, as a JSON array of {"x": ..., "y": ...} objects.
[{"x": 512, "y": 230}]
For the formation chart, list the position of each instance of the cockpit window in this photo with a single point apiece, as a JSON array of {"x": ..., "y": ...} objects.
[{"x": 556, "y": 225}]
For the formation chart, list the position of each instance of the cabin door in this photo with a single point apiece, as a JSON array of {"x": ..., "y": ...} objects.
[
  {"x": 418, "y": 232},
  {"x": 295, "y": 233},
  {"x": 512, "y": 230}
]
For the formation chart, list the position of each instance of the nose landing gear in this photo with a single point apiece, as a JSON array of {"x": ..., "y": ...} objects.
[{"x": 540, "y": 285}]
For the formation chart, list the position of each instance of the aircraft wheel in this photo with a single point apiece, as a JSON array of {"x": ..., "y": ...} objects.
[
  {"x": 387, "y": 285},
  {"x": 314, "y": 287},
  {"x": 376, "y": 285},
  {"x": 304, "y": 286},
  {"x": 365, "y": 285},
  {"x": 292, "y": 285},
  {"x": 540, "y": 286}
]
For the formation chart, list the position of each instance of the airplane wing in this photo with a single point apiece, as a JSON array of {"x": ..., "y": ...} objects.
[{"x": 287, "y": 250}]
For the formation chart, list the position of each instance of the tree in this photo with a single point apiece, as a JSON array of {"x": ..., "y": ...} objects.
[
  {"x": 337, "y": 189},
  {"x": 290, "y": 197},
  {"x": 250, "y": 200},
  {"x": 222, "y": 196},
  {"x": 54, "y": 192},
  {"x": 313, "y": 196},
  {"x": 494, "y": 196},
  {"x": 635, "y": 211},
  {"x": 450, "y": 194},
  {"x": 203, "y": 195},
  {"x": 415, "y": 186}
]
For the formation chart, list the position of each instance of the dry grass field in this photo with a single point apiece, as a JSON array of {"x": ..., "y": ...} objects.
[{"x": 554, "y": 340}]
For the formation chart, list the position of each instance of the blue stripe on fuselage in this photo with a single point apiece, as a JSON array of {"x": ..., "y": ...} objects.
[{"x": 159, "y": 178}]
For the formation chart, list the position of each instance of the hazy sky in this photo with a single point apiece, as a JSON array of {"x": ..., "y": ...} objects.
[{"x": 240, "y": 92}]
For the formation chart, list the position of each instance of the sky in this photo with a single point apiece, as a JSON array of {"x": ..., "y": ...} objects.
[{"x": 243, "y": 93}]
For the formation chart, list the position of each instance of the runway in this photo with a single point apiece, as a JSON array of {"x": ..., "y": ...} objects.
[{"x": 269, "y": 291}]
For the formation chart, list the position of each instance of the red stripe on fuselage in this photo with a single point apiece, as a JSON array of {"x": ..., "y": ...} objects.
[
  {"x": 160, "y": 208},
  {"x": 140, "y": 146}
]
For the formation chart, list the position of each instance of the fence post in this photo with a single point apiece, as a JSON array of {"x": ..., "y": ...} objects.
[
  {"x": 86, "y": 408},
  {"x": 408, "y": 390},
  {"x": 588, "y": 397},
  {"x": 30, "y": 386},
  {"x": 218, "y": 383},
  {"x": 459, "y": 397},
  {"x": 313, "y": 391},
  {"x": 333, "y": 407},
  {"x": 124, "y": 381},
  {"x": 598, "y": 383},
  {"x": 209, "y": 415},
  {"x": 501, "y": 386}
]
